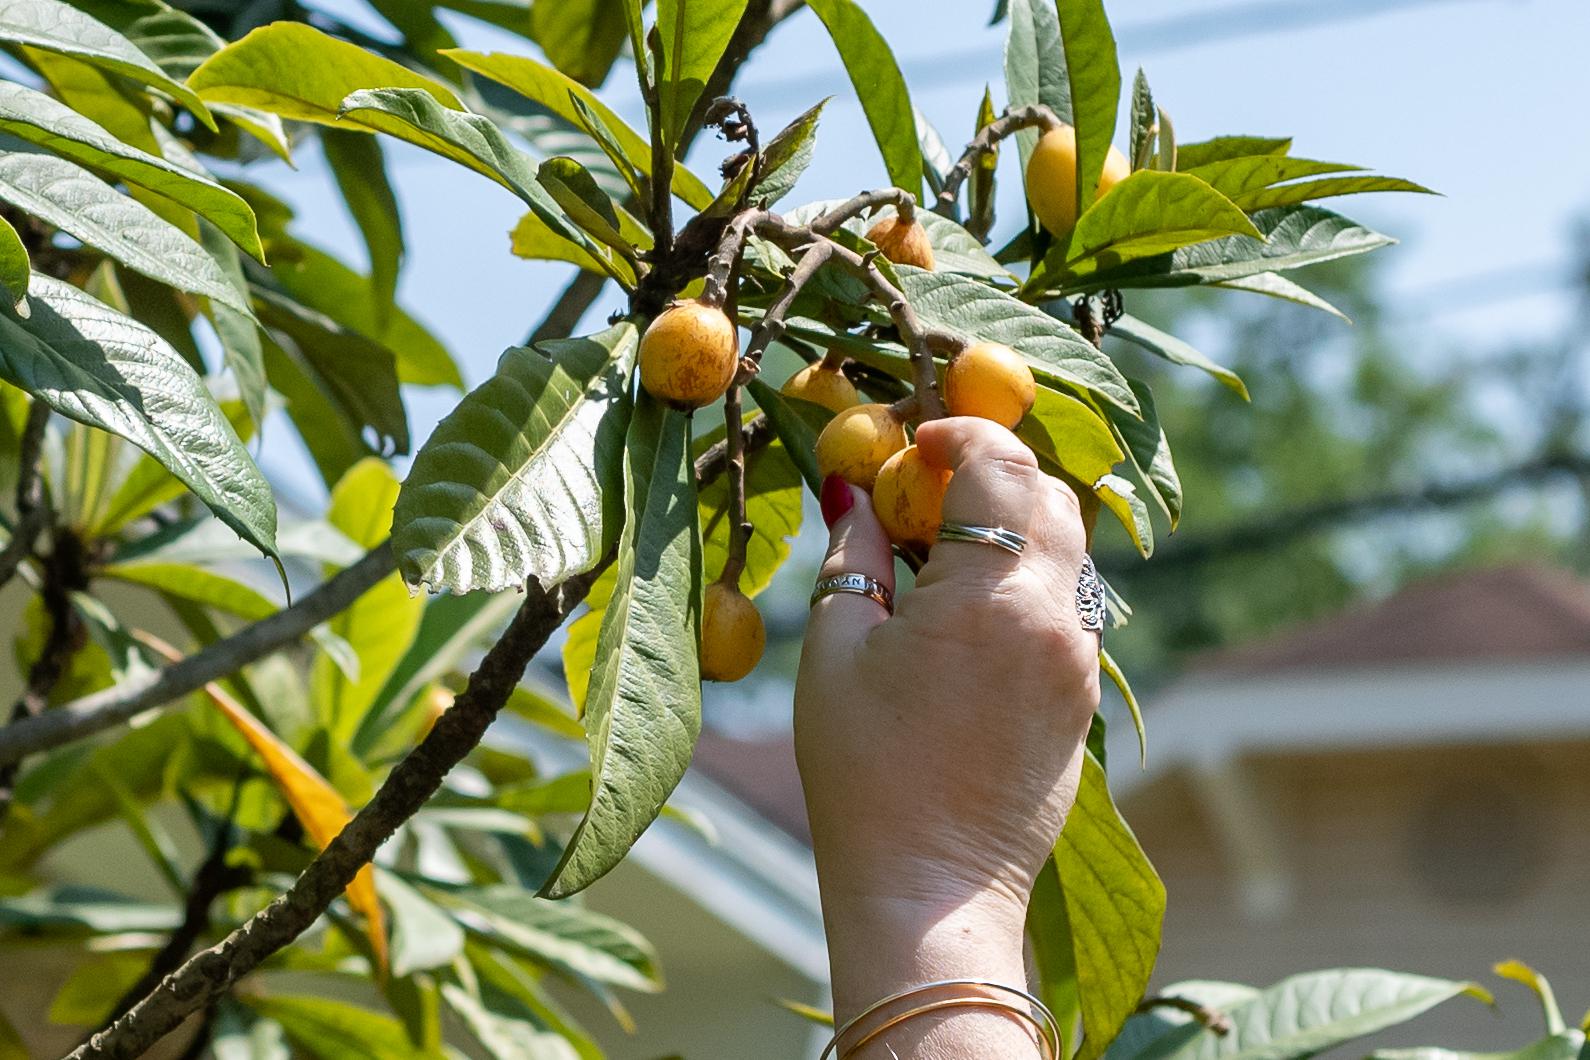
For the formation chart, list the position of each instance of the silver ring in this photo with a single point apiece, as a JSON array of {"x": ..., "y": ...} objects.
[
  {"x": 997, "y": 536},
  {"x": 859, "y": 584},
  {"x": 1091, "y": 605}
]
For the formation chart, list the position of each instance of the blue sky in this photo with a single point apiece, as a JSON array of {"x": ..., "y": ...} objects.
[{"x": 1480, "y": 99}]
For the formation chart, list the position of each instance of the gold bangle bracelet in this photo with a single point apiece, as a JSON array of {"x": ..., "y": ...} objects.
[
  {"x": 951, "y": 1003},
  {"x": 1049, "y": 1039}
]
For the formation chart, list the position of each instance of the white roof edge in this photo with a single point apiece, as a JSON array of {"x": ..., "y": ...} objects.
[
  {"x": 755, "y": 878},
  {"x": 1210, "y": 719}
]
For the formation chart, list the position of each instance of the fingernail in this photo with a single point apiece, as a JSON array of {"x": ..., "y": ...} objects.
[{"x": 835, "y": 499}]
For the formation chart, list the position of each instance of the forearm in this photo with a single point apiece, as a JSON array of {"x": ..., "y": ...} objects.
[{"x": 880, "y": 947}]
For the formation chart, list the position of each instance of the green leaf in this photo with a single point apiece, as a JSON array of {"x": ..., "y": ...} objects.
[
  {"x": 980, "y": 189},
  {"x": 322, "y": 283},
  {"x": 1275, "y": 285},
  {"x": 592, "y": 123},
  {"x": 694, "y": 34},
  {"x": 381, "y": 624},
  {"x": 42, "y": 120},
  {"x": 1053, "y": 952},
  {"x": 1143, "y": 122},
  {"x": 786, "y": 156},
  {"x": 643, "y": 712},
  {"x": 14, "y": 264},
  {"x": 1164, "y": 344},
  {"x": 880, "y": 87},
  {"x": 98, "y": 367},
  {"x": 1095, "y": 78},
  {"x": 325, "y": 1028},
  {"x": 539, "y": 707},
  {"x": 1149, "y": 450},
  {"x": 580, "y": 37},
  {"x": 59, "y": 27},
  {"x": 1292, "y": 236},
  {"x": 1569, "y": 1045},
  {"x": 357, "y": 373},
  {"x": 1035, "y": 66},
  {"x": 1235, "y": 177},
  {"x": 423, "y": 934},
  {"x": 1120, "y": 497},
  {"x": 241, "y": 348},
  {"x": 1165, "y": 156},
  {"x": 1161, "y": 1027},
  {"x": 80, "y": 911},
  {"x": 86, "y": 208},
  {"x": 533, "y": 239},
  {"x": 1069, "y": 434},
  {"x": 298, "y": 72},
  {"x": 1148, "y": 213},
  {"x": 1191, "y": 156},
  {"x": 562, "y": 935},
  {"x": 334, "y": 442},
  {"x": 238, "y": 1034},
  {"x": 520, "y": 480},
  {"x": 1309, "y": 190},
  {"x": 174, "y": 39},
  {"x": 503, "y": 1036},
  {"x": 797, "y": 424},
  {"x": 199, "y": 584},
  {"x": 774, "y": 495},
  {"x": 1309, "y": 1013},
  {"x": 1115, "y": 903},
  {"x": 584, "y": 202},
  {"x": 513, "y": 987},
  {"x": 936, "y": 160},
  {"x": 1117, "y": 676},
  {"x": 1059, "y": 357},
  {"x": 557, "y": 93},
  {"x": 359, "y": 168}
]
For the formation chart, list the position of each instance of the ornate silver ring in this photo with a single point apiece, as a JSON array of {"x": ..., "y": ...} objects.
[
  {"x": 1090, "y": 596},
  {"x": 859, "y": 584}
]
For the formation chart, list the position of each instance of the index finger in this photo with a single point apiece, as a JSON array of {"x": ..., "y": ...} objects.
[{"x": 996, "y": 482}]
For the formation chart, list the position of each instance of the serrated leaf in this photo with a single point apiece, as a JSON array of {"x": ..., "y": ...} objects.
[
  {"x": 1221, "y": 148},
  {"x": 1310, "y": 190},
  {"x": 359, "y": 168},
  {"x": 1115, "y": 903},
  {"x": 561, "y": 935},
  {"x": 1292, "y": 236},
  {"x": 880, "y": 87},
  {"x": 1309, "y": 1013},
  {"x": 521, "y": 479},
  {"x": 787, "y": 155},
  {"x": 1274, "y": 285},
  {"x": 1035, "y": 66},
  {"x": 98, "y": 367},
  {"x": 556, "y": 92},
  {"x": 643, "y": 711},
  {"x": 774, "y": 494},
  {"x": 72, "y": 199},
  {"x": 14, "y": 264},
  {"x": 1095, "y": 76},
  {"x": 1147, "y": 214},
  {"x": 323, "y": 1027},
  {"x": 298, "y": 72},
  {"x": 1143, "y": 131},
  {"x": 694, "y": 34},
  {"x": 59, "y": 27},
  {"x": 42, "y": 120},
  {"x": 1059, "y": 357}
]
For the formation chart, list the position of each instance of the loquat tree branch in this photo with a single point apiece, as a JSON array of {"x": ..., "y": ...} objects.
[
  {"x": 1015, "y": 119},
  {"x": 32, "y": 512},
  {"x": 210, "y": 972}
]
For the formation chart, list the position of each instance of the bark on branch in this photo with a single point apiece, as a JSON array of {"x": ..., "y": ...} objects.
[
  {"x": 32, "y": 512},
  {"x": 210, "y": 972}
]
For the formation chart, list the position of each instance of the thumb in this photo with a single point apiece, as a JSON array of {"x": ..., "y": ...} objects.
[{"x": 856, "y": 545}]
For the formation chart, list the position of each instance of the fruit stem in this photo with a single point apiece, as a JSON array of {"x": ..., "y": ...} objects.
[{"x": 1015, "y": 119}]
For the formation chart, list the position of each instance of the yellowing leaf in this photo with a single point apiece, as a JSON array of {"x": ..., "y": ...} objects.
[{"x": 316, "y": 804}]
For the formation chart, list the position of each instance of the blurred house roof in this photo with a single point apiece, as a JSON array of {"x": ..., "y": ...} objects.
[
  {"x": 1513, "y": 612},
  {"x": 1487, "y": 654}
]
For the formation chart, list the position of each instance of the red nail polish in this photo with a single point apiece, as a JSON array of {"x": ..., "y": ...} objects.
[{"x": 835, "y": 499}]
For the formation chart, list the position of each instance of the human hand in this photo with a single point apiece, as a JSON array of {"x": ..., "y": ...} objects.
[{"x": 940, "y": 748}]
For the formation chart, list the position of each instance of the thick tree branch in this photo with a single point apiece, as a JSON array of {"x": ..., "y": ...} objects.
[
  {"x": 1275, "y": 531},
  {"x": 210, "y": 972},
  {"x": 113, "y": 706},
  {"x": 32, "y": 512}
]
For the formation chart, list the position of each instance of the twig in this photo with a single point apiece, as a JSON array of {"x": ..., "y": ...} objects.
[
  {"x": 1034, "y": 116},
  {"x": 32, "y": 512},
  {"x": 212, "y": 971},
  {"x": 112, "y": 706},
  {"x": 903, "y": 201},
  {"x": 739, "y": 528},
  {"x": 758, "y": 434},
  {"x": 1216, "y": 1020}
]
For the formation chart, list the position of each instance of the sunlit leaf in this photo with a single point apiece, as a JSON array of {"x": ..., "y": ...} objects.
[
  {"x": 1035, "y": 66},
  {"x": 774, "y": 494},
  {"x": 14, "y": 265},
  {"x": 324, "y": 1027},
  {"x": 1191, "y": 156},
  {"x": 786, "y": 156},
  {"x": 694, "y": 34},
  {"x": 880, "y": 87},
  {"x": 1095, "y": 77}
]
